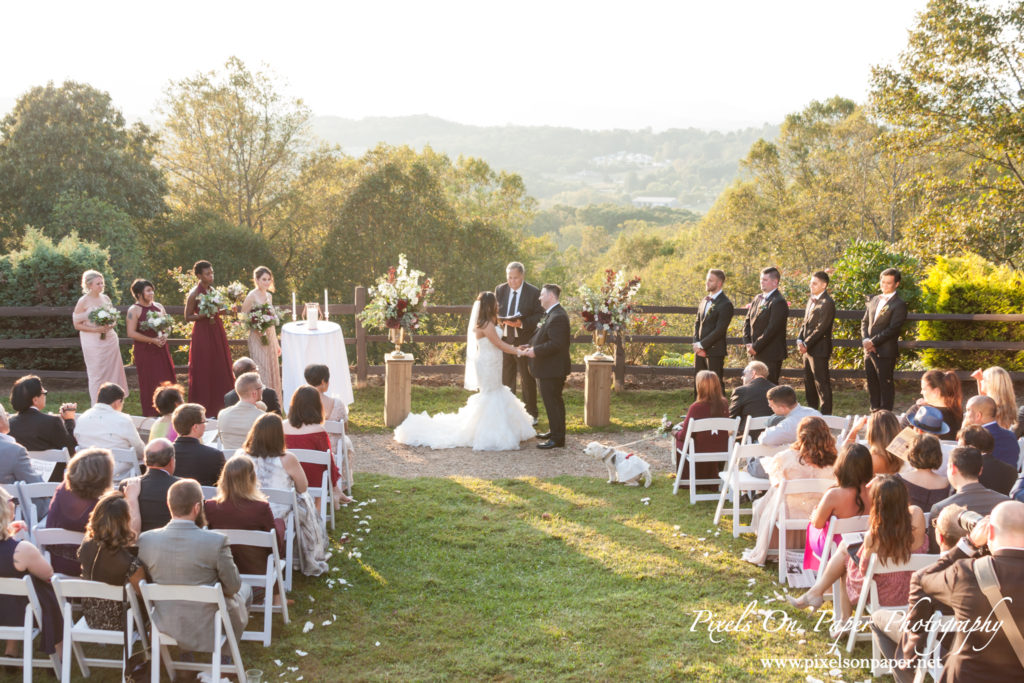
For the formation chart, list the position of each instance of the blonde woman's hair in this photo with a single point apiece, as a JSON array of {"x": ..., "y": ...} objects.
[
  {"x": 87, "y": 277},
  {"x": 6, "y": 516},
  {"x": 999, "y": 387},
  {"x": 238, "y": 481}
]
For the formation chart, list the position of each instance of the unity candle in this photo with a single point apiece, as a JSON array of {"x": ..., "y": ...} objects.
[{"x": 295, "y": 313}]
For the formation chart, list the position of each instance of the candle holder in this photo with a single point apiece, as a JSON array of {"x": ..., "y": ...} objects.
[{"x": 312, "y": 314}]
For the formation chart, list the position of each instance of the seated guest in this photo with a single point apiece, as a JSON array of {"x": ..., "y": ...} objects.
[
  {"x": 207, "y": 561},
  {"x": 166, "y": 398},
  {"x": 319, "y": 377},
  {"x": 109, "y": 554},
  {"x": 811, "y": 456},
  {"x": 89, "y": 475},
  {"x": 233, "y": 423},
  {"x": 192, "y": 458},
  {"x": 710, "y": 403},
  {"x": 106, "y": 426},
  {"x": 896, "y": 529},
  {"x": 153, "y": 485},
  {"x": 981, "y": 410},
  {"x": 995, "y": 474},
  {"x": 18, "y": 559},
  {"x": 240, "y": 505},
  {"x": 269, "y": 397},
  {"x": 995, "y": 382},
  {"x": 14, "y": 462},
  {"x": 305, "y": 429},
  {"x": 882, "y": 427},
  {"x": 942, "y": 390},
  {"x": 848, "y": 498},
  {"x": 965, "y": 464},
  {"x": 925, "y": 487},
  {"x": 782, "y": 401},
  {"x": 36, "y": 430},
  {"x": 751, "y": 398}
]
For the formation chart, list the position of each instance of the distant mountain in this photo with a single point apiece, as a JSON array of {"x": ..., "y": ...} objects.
[{"x": 689, "y": 167}]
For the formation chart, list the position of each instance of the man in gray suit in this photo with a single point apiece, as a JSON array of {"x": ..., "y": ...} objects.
[
  {"x": 184, "y": 554},
  {"x": 14, "y": 462}
]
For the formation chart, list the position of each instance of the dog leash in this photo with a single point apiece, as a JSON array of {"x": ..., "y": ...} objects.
[{"x": 646, "y": 438}]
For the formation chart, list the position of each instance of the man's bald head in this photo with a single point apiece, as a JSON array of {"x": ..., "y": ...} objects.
[
  {"x": 984, "y": 406},
  {"x": 1007, "y": 522}
]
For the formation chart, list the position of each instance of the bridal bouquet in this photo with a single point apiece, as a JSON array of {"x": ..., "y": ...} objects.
[
  {"x": 399, "y": 299},
  {"x": 158, "y": 322},
  {"x": 609, "y": 307},
  {"x": 235, "y": 291},
  {"x": 261, "y": 318},
  {"x": 104, "y": 315},
  {"x": 212, "y": 303}
]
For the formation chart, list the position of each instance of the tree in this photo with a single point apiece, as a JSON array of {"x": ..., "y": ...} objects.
[
  {"x": 233, "y": 145},
  {"x": 98, "y": 221},
  {"x": 70, "y": 140}
]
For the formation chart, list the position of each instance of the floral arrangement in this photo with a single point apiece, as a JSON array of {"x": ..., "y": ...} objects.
[
  {"x": 158, "y": 322},
  {"x": 212, "y": 303},
  {"x": 261, "y": 318},
  {"x": 609, "y": 307},
  {"x": 398, "y": 299},
  {"x": 235, "y": 291},
  {"x": 104, "y": 315}
]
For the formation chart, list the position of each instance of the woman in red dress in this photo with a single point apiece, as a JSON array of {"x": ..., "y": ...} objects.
[
  {"x": 305, "y": 429},
  {"x": 152, "y": 357},
  {"x": 209, "y": 358},
  {"x": 710, "y": 403}
]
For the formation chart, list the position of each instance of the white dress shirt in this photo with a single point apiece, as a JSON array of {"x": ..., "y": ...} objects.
[
  {"x": 103, "y": 427},
  {"x": 697, "y": 344},
  {"x": 784, "y": 433}
]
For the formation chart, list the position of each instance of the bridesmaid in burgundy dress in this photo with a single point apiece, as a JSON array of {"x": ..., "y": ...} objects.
[
  {"x": 209, "y": 358},
  {"x": 152, "y": 357}
]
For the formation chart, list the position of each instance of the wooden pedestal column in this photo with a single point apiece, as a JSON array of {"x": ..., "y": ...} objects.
[
  {"x": 597, "y": 409},
  {"x": 397, "y": 388}
]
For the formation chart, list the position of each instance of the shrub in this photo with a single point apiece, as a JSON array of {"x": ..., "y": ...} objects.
[{"x": 970, "y": 284}]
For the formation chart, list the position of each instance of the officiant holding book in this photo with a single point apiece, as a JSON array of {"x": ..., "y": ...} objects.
[{"x": 519, "y": 311}]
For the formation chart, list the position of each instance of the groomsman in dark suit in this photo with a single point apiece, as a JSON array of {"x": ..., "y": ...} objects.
[
  {"x": 764, "y": 330},
  {"x": 550, "y": 363},
  {"x": 519, "y": 309},
  {"x": 814, "y": 342},
  {"x": 880, "y": 330},
  {"x": 713, "y": 317}
]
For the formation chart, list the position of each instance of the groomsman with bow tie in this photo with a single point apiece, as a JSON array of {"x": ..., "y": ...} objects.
[
  {"x": 883, "y": 320},
  {"x": 519, "y": 310},
  {"x": 814, "y": 342},
  {"x": 709, "y": 330},
  {"x": 764, "y": 330}
]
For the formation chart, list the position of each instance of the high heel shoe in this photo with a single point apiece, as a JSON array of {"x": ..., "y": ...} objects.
[{"x": 806, "y": 600}]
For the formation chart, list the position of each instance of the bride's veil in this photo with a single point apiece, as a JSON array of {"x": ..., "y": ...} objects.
[{"x": 472, "y": 350}]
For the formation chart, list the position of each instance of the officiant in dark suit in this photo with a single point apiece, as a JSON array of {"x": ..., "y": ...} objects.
[
  {"x": 880, "y": 329},
  {"x": 550, "y": 363},
  {"x": 709, "y": 330},
  {"x": 764, "y": 330},
  {"x": 519, "y": 310},
  {"x": 814, "y": 342}
]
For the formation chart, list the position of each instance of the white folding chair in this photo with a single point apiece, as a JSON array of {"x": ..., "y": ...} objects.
[
  {"x": 44, "y": 462},
  {"x": 838, "y": 527},
  {"x": 27, "y": 631},
  {"x": 336, "y": 432},
  {"x": 44, "y": 538},
  {"x": 1020, "y": 458},
  {"x": 784, "y": 523},
  {"x": 754, "y": 424},
  {"x": 76, "y": 633},
  {"x": 321, "y": 490},
  {"x": 153, "y": 593},
  {"x": 840, "y": 426},
  {"x": 869, "y": 599},
  {"x": 211, "y": 437},
  {"x": 937, "y": 626},
  {"x": 736, "y": 481},
  {"x": 947, "y": 450},
  {"x": 286, "y": 497},
  {"x": 687, "y": 454},
  {"x": 14, "y": 491},
  {"x": 273, "y": 575},
  {"x": 126, "y": 462},
  {"x": 35, "y": 497}
]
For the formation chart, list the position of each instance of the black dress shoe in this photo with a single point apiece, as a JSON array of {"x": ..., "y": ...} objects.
[
  {"x": 551, "y": 443},
  {"x": 544, "y": 435}
]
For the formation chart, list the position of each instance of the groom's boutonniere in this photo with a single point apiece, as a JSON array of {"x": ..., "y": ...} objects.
[{"x": 543, "y": 319}]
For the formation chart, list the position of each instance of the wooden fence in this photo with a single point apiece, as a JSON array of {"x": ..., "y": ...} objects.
[{"x": 362, "y": 369}]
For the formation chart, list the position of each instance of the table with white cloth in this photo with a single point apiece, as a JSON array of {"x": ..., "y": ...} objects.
[{"x": 301, "y": 346}]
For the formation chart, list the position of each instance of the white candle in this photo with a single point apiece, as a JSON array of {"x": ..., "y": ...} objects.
[
  {"x": 325, "y": 303},
  {"x": 295, "y": 313}
]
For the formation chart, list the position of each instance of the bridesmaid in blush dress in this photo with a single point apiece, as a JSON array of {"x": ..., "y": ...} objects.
[
  {"x": 152, "y": 357},
  {"x": 99, "y": 343},
  {"x": 209, "y": 359},
  {"x": 265, "y": 355}
]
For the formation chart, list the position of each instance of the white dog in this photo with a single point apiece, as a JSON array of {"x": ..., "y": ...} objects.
[{"x": 623, "y": 467}]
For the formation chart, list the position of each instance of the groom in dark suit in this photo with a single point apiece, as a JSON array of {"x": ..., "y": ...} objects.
[
  {"x": 550, "y": 364},
  {"x": 814, "y": 342},
  {"x": 713, "y": 317},
  {"x": 764, "y": 330},
  {"x": 519, "y": 311},
  {"x": 880, "y": 329}
]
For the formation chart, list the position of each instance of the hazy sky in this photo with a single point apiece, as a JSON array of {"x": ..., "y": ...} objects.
[{"x": 583, "y": 64}]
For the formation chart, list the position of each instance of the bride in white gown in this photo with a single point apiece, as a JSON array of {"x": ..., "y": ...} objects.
[{"x": 492, "y": 419}]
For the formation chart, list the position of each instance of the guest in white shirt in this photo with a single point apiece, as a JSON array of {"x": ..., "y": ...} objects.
[
  {"x": 782, "y": 401},
  {"x": 105, "y": 426},
  {"x": 234, "y": 423}
]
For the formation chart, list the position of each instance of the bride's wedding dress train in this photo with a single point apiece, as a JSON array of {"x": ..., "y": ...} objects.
[{"x": 492, "y": 419}]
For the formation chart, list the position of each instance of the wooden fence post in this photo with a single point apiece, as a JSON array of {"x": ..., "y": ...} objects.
[
  {"x": 620, "y": 364},
  {"x": 361, "y": 361}
]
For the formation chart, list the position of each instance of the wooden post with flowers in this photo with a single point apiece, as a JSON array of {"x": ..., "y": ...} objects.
[
  {"x": 604, "y": 311},
  {"x": 397, "y": 303}
]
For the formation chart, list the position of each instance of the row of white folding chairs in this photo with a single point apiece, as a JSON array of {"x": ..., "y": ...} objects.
[
  {"x": 27, "y": 630},
  {"x": 336, "y": 431}
]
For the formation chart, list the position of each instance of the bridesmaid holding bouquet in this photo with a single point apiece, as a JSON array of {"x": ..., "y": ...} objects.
[
  {"x": 261, "y": 319},
  {"x": 95, "y": 319},
  {"x": 148, "y": 324},
  {"x": 209, "y": 358}
]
